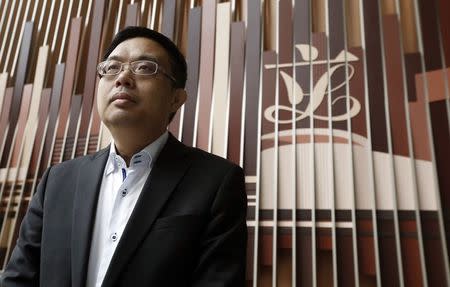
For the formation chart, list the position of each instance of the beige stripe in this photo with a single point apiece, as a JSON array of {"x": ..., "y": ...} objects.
[
  {"x": 32, "y": 123},
  {"x": 3, "y": 82},
  {"x": 220, "y": 101}
]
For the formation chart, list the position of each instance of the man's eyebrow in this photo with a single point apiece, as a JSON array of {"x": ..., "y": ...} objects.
[{"x": 141, "y": 57}]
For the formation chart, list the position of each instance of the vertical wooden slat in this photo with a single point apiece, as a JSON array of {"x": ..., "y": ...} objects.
[
  {"x": 68, "y": 82},
  {"x": 237, "y": 46},
  {"x": 252, "y": 61},
  {"x": 4, "y": 118},
  {"x": 192, "y": 59},
  {"x": 89, "y": 80},
  {"x": 18, "y": 86},
  {"x": 220, "y": 102},
  {"x": 421, "y": 36},
  {"x": 48, "y": 144},
  {"x": 201, "y": 129},
  {"x": 132, "y": 18},
  {"x": 72, "y": 124},
  {"x": 168, "y": 29}
]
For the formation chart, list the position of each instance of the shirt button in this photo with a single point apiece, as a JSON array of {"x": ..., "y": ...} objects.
[
  {"x": 124, "y": 192},
  {"x": 114, "y": 237}
]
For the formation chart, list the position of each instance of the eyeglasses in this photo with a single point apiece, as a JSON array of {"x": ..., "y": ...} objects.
[{"x": 140, "y": 67}]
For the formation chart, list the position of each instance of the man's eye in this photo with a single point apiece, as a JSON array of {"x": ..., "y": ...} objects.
[
  {"x": 111, "y": 67},
  {"x": 144, "y": 67}
]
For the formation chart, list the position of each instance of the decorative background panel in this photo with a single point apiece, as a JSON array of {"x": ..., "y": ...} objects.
[{"x": 338, "y": 111}]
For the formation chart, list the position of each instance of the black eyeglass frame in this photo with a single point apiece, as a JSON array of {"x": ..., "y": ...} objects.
[{"x": 122, "y": 64}]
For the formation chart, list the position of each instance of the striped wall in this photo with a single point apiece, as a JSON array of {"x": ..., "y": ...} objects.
[{"x": 338, "y": 111}]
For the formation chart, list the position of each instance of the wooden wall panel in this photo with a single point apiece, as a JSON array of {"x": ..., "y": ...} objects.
[{"x": 356, "y": 201}]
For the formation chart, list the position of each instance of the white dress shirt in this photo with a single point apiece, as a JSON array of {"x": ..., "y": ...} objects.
[{"x": 119, "y": 192}]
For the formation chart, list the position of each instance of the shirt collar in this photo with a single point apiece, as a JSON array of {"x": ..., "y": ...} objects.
[{"x": 146, "y": 157}]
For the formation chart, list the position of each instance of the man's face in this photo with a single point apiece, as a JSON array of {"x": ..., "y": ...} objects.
[{"x": 138, "y": 101}]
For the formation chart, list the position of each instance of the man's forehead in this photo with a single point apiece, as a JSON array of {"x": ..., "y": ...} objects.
[{"x": 139, "y": 48}]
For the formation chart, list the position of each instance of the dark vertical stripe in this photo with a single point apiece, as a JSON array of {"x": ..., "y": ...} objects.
[
  {"x": 443, "y": 7},
  {"x": 441, "y": 138},
  {"x": 94, "y": 128},
  {"x": 430, "y": 37},
  {"x": 394, "y": 78},
  {"x": 236, "y": 90},
  {"x": 90, "y": 77},
  {"x": 344, "y": 254},
  {"x": 75, "y": 107},
  {"x": 302, "y": 30},
  {"x": 21, "y": 73},
  {"x": 387, "y": 248},
  {"x": 193, "y": 60},
  {"x": 53, "y": 114},
  {"x": 434, "y": 258},
  {"x": 69, "y": 75},
  {"x": 206, "y": 72},
  {"x": 285, "y": 42},
  {"x": 375, "y": 76},
  {"x": 337, "y": 44},
  {"x": 253, "y": 58}
]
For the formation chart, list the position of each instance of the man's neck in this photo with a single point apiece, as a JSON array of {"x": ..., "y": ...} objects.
[{"x": 127, "y": 146}]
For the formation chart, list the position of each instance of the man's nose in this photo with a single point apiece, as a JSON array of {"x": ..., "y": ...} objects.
[{"x": 125, "y": 77}]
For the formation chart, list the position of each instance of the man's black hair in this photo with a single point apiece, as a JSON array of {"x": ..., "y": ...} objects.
[{"x": 176, "y": 58}]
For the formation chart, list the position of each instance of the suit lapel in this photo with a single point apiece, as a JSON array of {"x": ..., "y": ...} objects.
[
  {"x": 166, "y": 173},
  {"x": 89, "y": 179}
]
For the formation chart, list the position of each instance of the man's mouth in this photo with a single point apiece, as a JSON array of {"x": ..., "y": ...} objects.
[{"x": 122, "y": 97}]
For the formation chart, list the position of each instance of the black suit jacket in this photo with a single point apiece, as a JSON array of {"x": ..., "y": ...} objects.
[{"x": 188, "y": 227}]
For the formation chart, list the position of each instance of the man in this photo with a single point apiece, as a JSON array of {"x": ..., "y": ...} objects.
[{"x": 147, "y": 210}]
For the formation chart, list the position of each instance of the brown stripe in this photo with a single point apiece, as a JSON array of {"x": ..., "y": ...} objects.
[
  {"x": 430, "y": 37},
  {"x": 4, "y": 119},
  {"x": 441, "y": 138},
  {"x": 418, "y": 118},
  {"x": 443, "y": 8},
  {"x": 302, "y": 30},
  {"x": 21, "y": 122},
  {"x": 344, "y": 256},
  {"x": 132, "y": 18},
  {"x": 236, "y": 90},
  {"x": 94, "y": 131},
  {"x": 253, "y": 58},
  {"x": 53, "y": 114},
  {"x": 285, "y": 40},
  {"x": 375, "y": 76},
  {"x": 91, "y": 66},
  {"x": 193, "y": 59},
  {"x": 69, "y": 75},
  {"x": 387, "y": 252},
  {"x": 412, "y": 67},
  {"x": 356, "y": 88},
  {"x": 410, "y": 253},
  {"x": 268, "y": 97},
  {"x": 75, "y": 107},
  {"x": 304, "y": 256},
  {"x": 434, "y": 258},
  {"x": 394, "y": 77},
  {"x": 337, "y": 45},
  {"x": 43, "y": 114},
  {"x": 21, "y": 73}
]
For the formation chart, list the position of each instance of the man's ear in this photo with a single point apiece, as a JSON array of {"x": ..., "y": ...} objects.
[{"x": 178, "y": 99}]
